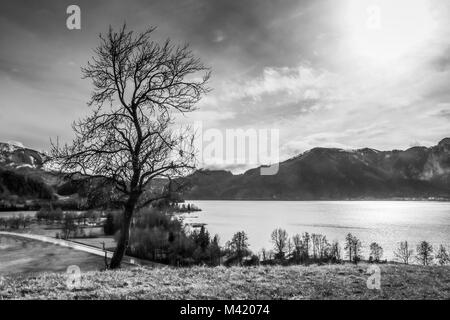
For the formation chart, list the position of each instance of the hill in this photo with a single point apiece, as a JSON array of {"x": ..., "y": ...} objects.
[
  {"x": 336, "y": 174},
  {"x": 22, "y": 175},
  {"x": 18, "y": 156},
  {"x": 318, "y": 174},
  {"x": 296, "y": 282},
  {"x": 14, "y": 183}
]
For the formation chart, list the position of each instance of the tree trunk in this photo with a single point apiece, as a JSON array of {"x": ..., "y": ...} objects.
[{"x": 122, "y": 244}]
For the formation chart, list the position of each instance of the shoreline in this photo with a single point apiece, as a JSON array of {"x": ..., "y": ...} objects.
[{"x": 19, "y": 210}]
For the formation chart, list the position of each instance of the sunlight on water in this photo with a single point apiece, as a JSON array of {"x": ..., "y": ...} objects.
[{"x": 385, "y": 222}]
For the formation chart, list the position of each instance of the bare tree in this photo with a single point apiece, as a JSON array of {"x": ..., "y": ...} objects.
[
  {"x": 442, "y": 256},
  {"x": 357, "y": 245},
  {"x": 403, "y": 252},
  {"x": 315, "y": 239},
  {"x": 130, "y": 139},
  {"x": 239, "y": 246},
  {"x": 290, "y": 247},
  {"x": 376, "y": 252},
  {"x": 280, "y": 241},
  {"x": 263, "y": 255},
  {"x": 353, "y": 248},
  {"x": 349, "y": 246},
  {"x": 297, "y": 253},
  {"x": 323, "y": 246},
  {"x": 424, "y": 253},
  {"x": 306, "y": 239},
  {"x": 69, "y": 226},
  {"x": 335, "y": 252}
]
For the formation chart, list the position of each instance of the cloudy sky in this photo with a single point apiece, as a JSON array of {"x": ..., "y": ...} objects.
[{"x": 332, "y": 73}]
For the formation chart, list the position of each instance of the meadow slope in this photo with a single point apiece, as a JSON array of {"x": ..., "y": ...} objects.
[{"x": 296, "y": 282}]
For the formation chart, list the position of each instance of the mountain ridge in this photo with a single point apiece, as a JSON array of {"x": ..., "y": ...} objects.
[
  {"x": 336, "y": 174},
  {"x": 317, "y": 174},
  {"x": 17, "y": 156}
]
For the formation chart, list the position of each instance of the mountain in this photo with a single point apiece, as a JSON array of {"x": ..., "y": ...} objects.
[
  {"x": 24, "y": 179},
  {"x": 318, "y": 174},
  {"x": 15, "y": 185},
  {"x": 336, "y": 174},
  {"x": 21, "y": 173},
  {"x": 16, "y": 156}
]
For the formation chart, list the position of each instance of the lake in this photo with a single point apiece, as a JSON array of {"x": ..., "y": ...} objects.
[{"x": 384, "y": 222}]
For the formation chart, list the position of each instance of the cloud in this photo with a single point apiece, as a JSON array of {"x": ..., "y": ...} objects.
[
  {"x": 442, "y": 62},
  {"x": 292, "y": 83},
  {"x": 443, "y": 111},
  {"x": 219, "y": 36},
  {"x": 288, "y": 65},
  {"x": 274, "y": 93}
]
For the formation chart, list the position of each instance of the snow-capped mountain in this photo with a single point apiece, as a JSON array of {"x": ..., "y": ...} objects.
[{"x": 15, "y": 155}]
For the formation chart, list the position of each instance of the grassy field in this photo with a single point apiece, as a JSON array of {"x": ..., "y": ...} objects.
[
  {"x": 296, "y": 282},
  {"x": 110, "y": 243},
  {"x": 22, "y": 256}
]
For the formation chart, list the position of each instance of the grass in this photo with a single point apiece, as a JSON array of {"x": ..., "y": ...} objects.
[
  {"x": 110, "y": 243},
  {"x": 23, "y": 256},
  {"x": 295, "y": 282}
]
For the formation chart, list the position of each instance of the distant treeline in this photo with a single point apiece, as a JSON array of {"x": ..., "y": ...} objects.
[
  {"x": 71, "y": 224},
  {"x": 15, "y": 222},
  {"x": 315, "y": 248},
  {"x": 20, "y": 204}
]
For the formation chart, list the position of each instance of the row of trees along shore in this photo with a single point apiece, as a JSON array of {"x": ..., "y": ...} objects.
[
  {"x": 315, "y": 248},
  {"x": 156, "y": 236}
]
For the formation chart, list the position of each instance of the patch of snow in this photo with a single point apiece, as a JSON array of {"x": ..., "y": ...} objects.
[
  {"x": 16, "y": 144},
  {"x": 25, "y": 166},
  {"x": 5, "y": 147},
  {"x": 51, "y": 167}
]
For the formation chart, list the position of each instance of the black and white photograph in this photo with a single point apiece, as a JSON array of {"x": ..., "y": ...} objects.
[{"x": 240, "y": 151}]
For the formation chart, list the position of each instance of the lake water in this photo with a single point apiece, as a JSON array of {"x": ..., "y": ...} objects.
[{"x": 384, "y": 222}]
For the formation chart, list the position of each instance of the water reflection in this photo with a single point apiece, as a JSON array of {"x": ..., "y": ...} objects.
[{"x": 384, "y": 222}]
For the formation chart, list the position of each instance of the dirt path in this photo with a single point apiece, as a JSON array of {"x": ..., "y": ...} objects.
[{"x": 79, "y": 247}]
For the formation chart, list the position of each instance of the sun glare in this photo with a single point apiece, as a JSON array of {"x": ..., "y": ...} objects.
[{"x": 381, "y": 31}]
